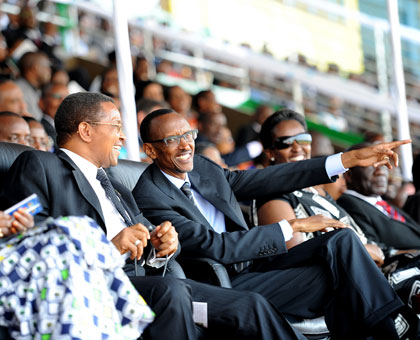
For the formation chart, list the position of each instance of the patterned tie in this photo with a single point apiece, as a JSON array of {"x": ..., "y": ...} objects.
[
  {"x": 102, "y": 177},
  {"x": 186, "y": 189},
  {"x": 393, "y": 213}
]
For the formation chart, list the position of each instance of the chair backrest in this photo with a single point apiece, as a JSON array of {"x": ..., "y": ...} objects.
[
  {"x": 127, "y": 172},
  {"x": 8, "y": 154}
]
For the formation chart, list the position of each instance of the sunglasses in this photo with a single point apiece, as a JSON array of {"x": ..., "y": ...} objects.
[{"x": 287, "y": 141}]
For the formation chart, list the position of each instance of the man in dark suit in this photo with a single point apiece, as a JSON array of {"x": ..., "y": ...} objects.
[
  {"x": 71, "y": 183},
  {"x": 382, "y": 222},
  {"x": 316, "y": 278}
]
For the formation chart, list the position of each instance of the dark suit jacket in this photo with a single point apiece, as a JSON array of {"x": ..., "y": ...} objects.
[
  {"x": 380, "y": 228},
  {"x": 412, "y": 206},
  {"x": 61, "y": 187},
  {"x": 160, "y": 200}
]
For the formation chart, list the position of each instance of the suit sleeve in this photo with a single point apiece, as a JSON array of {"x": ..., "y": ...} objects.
[
  {"x": 199, "y": 240},
  {"x": 277, "y": 180},
  {"x": 17, "y": 187}
]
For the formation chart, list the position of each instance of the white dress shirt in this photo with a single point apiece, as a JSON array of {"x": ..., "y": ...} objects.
[
  {"x": 372, "y": 200},
  {"x": 114, "y": 222},
  {"x": 216, "y": 218}
]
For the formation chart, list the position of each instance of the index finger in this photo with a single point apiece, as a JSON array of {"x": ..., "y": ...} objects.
[
  {"x": 397, "y": 143},
  {"x": 141, "y": 227},
  {"x": 163, "y": 228}
]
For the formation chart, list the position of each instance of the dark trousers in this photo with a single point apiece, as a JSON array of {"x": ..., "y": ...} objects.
[
  {"x": 231, "y": 314},
  {"x": 329, "y": 275}
]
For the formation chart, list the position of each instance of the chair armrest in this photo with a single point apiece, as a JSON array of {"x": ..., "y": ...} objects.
[{"x": 205, "y": 270}]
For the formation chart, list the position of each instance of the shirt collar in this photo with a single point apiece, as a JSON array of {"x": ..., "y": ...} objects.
[
  {"x": 370, "y": 199},
  {"x": 176, "y": 181},
  {"x": 89, "y": 169}
]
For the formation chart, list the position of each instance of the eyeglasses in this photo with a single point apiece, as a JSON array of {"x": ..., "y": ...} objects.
[
  {"x": 116, "y": 125},
  {"x": 287, "y": 141},
  {"x": 173, "y": 141}
]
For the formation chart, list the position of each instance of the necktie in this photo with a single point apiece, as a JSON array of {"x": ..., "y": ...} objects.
[
  {"x": 102, "y": 177},
  {"x": 393, "y": 213},
  {"x": 186, "y": 189}
]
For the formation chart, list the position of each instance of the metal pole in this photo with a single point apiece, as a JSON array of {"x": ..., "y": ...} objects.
[
  {"x": 125, "y": 79},
  {"x": 399, "y": 90}
]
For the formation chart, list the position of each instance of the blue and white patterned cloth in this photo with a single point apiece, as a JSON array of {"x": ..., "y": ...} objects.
[{"x": 64, "y": 280}]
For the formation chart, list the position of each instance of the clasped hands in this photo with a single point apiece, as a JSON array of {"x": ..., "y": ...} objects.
[
  {"x": 163, "y": 238},
  {"x": 20, "y": 221}
]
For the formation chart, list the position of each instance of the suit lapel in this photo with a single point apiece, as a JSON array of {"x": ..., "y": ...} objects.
[
  {"x": 205, "y": 186},
  {"x": 84, "y": 186}
]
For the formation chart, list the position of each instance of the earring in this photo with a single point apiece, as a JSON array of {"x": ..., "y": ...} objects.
[{"x": 272, "y": 159}]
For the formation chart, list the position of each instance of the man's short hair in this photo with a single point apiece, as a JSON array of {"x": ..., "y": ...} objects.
[
  {"x": 147, "y": 122},
  {"x": 29, "y": 60},
  {"x": 266, "y": 134},
  {"x": 75, "y": 109}
]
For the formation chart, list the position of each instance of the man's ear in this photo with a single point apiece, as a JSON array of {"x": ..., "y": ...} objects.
[
  {"x": 347, "y": 177},
  {"x": 84, "y": 130},
  {"x": 149, "y": 150}
]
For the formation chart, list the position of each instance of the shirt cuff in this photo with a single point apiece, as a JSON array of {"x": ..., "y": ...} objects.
[
  {"x": 286, "y": 229},
  {"x": 334, "y": 165},
  {"x": 254, "y": 149}
]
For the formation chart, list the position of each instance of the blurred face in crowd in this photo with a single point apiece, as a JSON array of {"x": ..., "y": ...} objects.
[
  {"x": 3, "y": 48},
  {"x": 212, "y": 126},
  {"x": 369, "y": 181},
  {"x": 43, "y": 71},
  {"x": 53, "y": 98},
  {"x": 154, "y": 91},
  {"x": 226, "y": 143},
  {"x": 14, "y": 130},
  {"x": 213, "y": 153},
  {"x": 175, "y": 160},
  {"x": 208, "y": 103},
  {"x": 179, "y": 100},
  {"x": 11, "y": 98},
  {"x": 106, "y": 139},
  {"x": 294, "y": 152},
  {"x": 39, "y": 138},
  {"x": 60, "y": 77}
]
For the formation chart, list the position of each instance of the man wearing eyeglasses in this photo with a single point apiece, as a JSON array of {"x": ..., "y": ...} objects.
[
  {"x": 14, "y": 129},
  {"x": 73, "y": 182},
  {"x": 331, "y": 275}
]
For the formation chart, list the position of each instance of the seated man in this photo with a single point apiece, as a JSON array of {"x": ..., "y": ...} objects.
[
  {"x": 73, "y": 182},
  {"x": 382, "y": 223},
  {"x": 315, "y": 278},
  {"x": 14, "y": 129}
]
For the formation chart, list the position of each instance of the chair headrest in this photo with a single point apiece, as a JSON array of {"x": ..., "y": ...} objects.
[
  {"x": 127, "y": 172},
  {"x": 8, "y": 154}
]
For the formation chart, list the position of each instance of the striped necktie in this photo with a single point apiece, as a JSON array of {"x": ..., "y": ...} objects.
[
  {"x": 102, "y": 177},
  {"x": 392, "y": 212},
  {"x": 186, "y": 189}
]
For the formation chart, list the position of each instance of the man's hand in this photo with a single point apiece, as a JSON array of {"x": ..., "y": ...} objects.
[
  {"x": 315, "y": 223},
  {"x": 376, "y": 155},
  {"x": 165, "y": 239},
  {"x": 132, "y": 239},
  {"x": 22, "y": 221},
  {"x": 376, "y": 254}
]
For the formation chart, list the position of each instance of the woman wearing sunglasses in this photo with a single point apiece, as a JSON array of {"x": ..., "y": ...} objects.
[{"x": 285, "y": 139}]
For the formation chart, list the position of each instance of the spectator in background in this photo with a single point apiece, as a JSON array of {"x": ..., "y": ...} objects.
[
  {"x": 150, "y": 90},
  {"x": 35, "y": 69},
  {"x": 60, "y": 76},
  {"x": 205, "y": 102},
  {"x": 141, "y": 69},
  {"x": 180, "y": 101},
  {"x": 210, "y": 151},
  {"x": 11, "y": 98},
  {"x": 14, "y": 129},
  {"x": 110, "y": 86},
  {"x": 51, "y": 98},
  {"x": 39, "y": 138},
  {"x": 397, "y": 191},
  {"x": 382, "y": 223},
  {"x": 321, "y": 145},
  {"x": 251, "y": 131},
  {"x": 212, "y": 127},
  {"x": 8, "y": 69}
]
